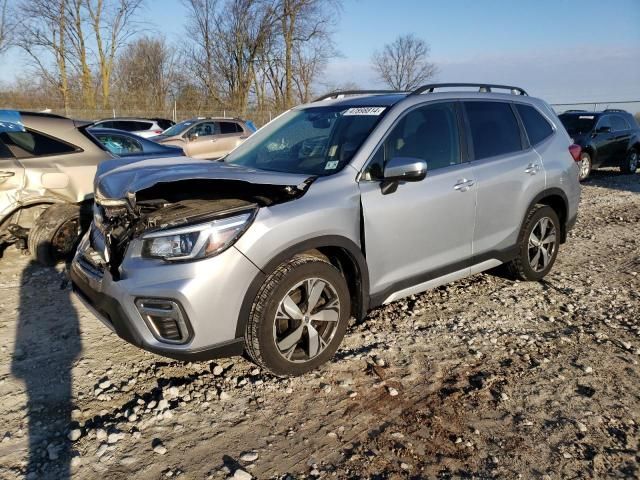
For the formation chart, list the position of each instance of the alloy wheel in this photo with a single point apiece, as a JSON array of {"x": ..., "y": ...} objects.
[
  {"x": 542, "y": 244},
  {"x": 585, "y": 166},
  {"x": 633, "y": 161},
  {"x": 306, "y": 320}
]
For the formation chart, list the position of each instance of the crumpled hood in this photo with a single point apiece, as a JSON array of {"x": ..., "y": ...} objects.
[{"x": 123, "y": 181}]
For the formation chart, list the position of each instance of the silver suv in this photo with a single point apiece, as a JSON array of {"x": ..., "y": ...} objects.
[{"x": 335, "y": 207}]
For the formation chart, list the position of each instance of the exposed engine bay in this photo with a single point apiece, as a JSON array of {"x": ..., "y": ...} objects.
[{"x": 169, "y": 205}]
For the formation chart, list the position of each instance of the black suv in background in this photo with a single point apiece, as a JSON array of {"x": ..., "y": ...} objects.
[{"x": 608, "y": 139}]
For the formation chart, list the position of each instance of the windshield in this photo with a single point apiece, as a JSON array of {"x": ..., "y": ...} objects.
[
  {"x": 178, "y": 128},
  {"x": 313, "y": 141},
  {"x": 578, "y": 124}
]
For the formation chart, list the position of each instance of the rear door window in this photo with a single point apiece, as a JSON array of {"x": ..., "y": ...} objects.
[
  {"x": 34, "y": 144},
  {"x": 618, "y": 123},
  {"x": 536, "y": 126},
  {"x": 494, "y": 128},
  {"x": 229, "y": 127}
]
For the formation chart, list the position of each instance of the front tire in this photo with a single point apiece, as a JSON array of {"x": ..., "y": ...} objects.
[
  {"x": 299, "y": 316},
  {"x": 537, "y": 245},
  {"x": 584, "y": 166},
  {"x": 630, "y": 164},
  {"x": 55, "y": 234}
]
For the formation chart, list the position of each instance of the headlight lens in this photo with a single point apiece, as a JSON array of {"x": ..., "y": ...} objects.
[{"x": 195, "y": 241}]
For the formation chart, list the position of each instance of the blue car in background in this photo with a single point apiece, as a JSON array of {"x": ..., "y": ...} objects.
[{"x": 125, "y": 144}]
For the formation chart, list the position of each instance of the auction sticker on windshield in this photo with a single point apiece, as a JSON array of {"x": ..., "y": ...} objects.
[{"x": 364, "y": 111}]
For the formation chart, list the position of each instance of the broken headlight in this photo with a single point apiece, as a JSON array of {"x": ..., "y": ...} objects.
[{"x": 195, "y": 241}]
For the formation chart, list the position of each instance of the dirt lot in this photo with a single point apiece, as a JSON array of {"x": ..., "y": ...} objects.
[{"x": 485, "y": 378}]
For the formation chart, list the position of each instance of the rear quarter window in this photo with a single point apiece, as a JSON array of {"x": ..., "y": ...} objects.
[
  {"x": 536, "y": 126},
  {"x": 494, "y": 128},
  {"x": 34, "y": 144}
]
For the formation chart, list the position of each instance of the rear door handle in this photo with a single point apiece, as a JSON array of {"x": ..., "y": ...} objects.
[
  {"x": 532, "y": 169},
  {"x": 463, "y": 185}
]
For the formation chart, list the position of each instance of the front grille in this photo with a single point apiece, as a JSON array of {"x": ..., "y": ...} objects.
[{"x": 165, "y": 319}]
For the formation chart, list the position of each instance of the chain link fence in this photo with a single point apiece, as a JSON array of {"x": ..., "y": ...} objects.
[
  {"x": 258, "y": 116},
  {"x": 261, "y": 116}
]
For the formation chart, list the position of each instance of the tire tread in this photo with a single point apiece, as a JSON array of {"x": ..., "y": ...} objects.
[{"x": 252, "y": 345}]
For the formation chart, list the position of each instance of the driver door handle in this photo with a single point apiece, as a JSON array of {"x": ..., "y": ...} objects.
[{"x": 7, "y": 174}]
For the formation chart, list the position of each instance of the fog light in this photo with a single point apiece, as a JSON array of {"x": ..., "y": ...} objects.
[{"x": 165, "y": 319}]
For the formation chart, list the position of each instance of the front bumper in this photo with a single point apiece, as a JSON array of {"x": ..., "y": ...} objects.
[{"x": 210, "y": 293}]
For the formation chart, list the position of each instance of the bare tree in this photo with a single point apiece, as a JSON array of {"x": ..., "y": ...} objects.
[
  {"x": 113, "y": 23},
  {"x": 42, "y": 35},
  {"x": 310, "y": 60},
  {"x": 404, "y": 63},
  {"x": 6, "y": 27},
  {"x": 227, "y": 40},
  {"x": 301, "y": 21},
  {"x": 80, "y": 55},
  {"x": 200, "y": 31},
  {"x": 145, "y": 73},
  {"x": 243, "y": 27}
]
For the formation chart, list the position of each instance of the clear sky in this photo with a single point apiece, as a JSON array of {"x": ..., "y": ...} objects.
[{"x": 561, "y": 50}]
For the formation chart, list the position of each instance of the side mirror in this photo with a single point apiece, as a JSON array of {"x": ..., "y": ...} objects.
[
  {"x": 603, "y": 130},
  {"x": 402, "y": 169},
  {"x": 193, "y": 136},
  {"x": 405, "y": 169}
]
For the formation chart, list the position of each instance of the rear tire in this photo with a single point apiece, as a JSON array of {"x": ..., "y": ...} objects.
[
  {"x": 584, "y": 166},
  {"x": 55, "y": 234},
  {"x": 537, "y": 245},
  {"x": 630, "y": 164},
  {"x": 299, "y": 316}
]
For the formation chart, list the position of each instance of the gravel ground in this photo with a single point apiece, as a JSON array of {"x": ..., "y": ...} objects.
[{"x": 484, "y": 378}]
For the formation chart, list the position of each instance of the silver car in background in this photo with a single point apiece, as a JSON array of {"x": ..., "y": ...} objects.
[
  {"x": 336, "y": 207},
  {"x": 143, "y": 127}
]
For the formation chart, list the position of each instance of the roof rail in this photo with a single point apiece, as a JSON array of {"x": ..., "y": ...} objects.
[
  {"x": 41, "y": 114},
  {"x": 482, "y": 87},
  {"x": 344, "y": 93}
]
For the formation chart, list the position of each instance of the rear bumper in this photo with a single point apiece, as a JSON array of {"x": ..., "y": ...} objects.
[{"x": 210, "y": 299}]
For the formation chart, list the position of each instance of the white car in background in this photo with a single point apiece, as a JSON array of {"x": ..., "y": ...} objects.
[{"x": 144, "y": 127}]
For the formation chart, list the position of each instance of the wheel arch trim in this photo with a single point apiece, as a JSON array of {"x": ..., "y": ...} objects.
[
  {"x": 539, "y": 199},
  {"x": 355, "y": 255}
]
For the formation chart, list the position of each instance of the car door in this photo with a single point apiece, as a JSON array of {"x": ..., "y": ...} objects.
[
  {"x": 509, "y": 174},
  {"x": 227, "y": 139},
  {"x": 200, "y": 140},
  {"x": 11, "y": 179},
  {"x": 602, "y": 139},
  {"x": 422, "y": 230},
  {"x": 621, "y": 132}
]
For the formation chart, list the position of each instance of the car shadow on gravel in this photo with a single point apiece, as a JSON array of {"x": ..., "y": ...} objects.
[
  {"x": 47, "y": 343},
  {"x": 615, "y": 180}
]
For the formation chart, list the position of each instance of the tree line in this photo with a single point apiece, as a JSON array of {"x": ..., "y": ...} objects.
[{"x": 233, "y": 54}]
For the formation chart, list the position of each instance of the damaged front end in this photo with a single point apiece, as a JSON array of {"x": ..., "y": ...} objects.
[{"x": 183, "y": 218}]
